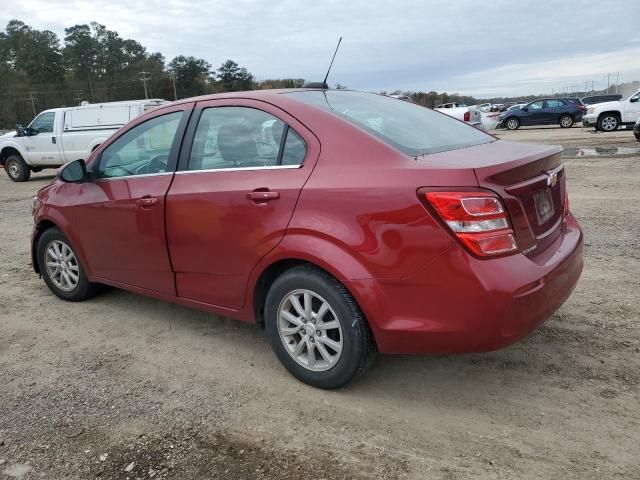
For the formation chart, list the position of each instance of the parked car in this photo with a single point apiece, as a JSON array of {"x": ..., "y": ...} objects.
[
  {"x": 636, "y": 129},
  {"x": 608, "y": 116},
  {"x": 517, "y": 106},
  {"x": 549, "y": 111},
  {"x": 346, "y": 222},
  {"x": 450, "y": 105},
  {"x": 61, "y": 135},
  {"x": 469, "y": 115},
  {"x": 600, "y": 99}
]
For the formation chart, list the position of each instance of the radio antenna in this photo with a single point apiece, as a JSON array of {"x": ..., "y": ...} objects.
[{"x": 324, "y": 82}]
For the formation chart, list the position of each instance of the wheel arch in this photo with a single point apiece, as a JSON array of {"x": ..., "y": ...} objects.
[
  {"x": 294, "y": 251},
  {"x": 42, "y": 226},
  {"x": 9, "y": 150},
  {"x": 52, "y": 219},
  {"x": 614, "y": 112}
]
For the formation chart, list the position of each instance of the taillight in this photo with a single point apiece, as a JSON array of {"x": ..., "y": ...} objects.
[
  {"x": 467, "y": 116},
  {"x": 477, "y": 219},
  {"x": 581, "y": 107}
]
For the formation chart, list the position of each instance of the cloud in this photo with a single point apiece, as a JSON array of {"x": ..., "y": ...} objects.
[{"x": 439, "y": 44}]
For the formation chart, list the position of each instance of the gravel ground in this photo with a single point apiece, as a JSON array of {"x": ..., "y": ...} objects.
[{"x": 124, "y": 386}]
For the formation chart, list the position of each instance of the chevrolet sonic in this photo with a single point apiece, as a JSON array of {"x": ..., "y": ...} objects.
[{"x": 346, "y": 223}]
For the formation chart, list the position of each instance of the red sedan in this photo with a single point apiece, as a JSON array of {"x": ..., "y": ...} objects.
[{"x": 345, "y": 222}]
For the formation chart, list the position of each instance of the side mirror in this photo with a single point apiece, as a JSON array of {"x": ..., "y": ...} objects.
[
  {"x": 73, "y": 172},
  {"x": 20, "y": 132},
  {"x": 633, "y": 99},
  {"x": 525, "y": 109}
]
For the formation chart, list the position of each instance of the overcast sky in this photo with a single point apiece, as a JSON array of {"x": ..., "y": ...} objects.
[{"x": 481, "y": 48}]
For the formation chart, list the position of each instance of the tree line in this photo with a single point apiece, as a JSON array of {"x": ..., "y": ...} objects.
[{"x": 38, "y": 70}]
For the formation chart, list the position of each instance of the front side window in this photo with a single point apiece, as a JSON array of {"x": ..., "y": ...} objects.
[
  {"x": 142, "y": 150},
  {"x": 243, "y": 137},
  {"x": 410, "y": 128},
  {"x": 536, "y": 105},
  {"x": 43, "y": 123}
]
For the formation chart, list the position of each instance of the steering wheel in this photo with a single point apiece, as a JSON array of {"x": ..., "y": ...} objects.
[{"x": 158, "y": 164}]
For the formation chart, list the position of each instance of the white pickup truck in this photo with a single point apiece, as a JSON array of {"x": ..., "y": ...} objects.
[
  {"x": 608, "y": 116},
  {"x": 61, "y": 135}
]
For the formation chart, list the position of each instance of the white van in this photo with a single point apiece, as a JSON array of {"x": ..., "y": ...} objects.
[{"x": 61, "y": 135}]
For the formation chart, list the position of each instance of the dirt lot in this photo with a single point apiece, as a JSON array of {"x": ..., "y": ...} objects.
[{"x": 124, "y": 382}]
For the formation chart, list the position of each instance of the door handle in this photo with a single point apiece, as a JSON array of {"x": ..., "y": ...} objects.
[
  {"x": 147, "y": 201},
  {"x": 53, "y": 140},
  {"x": 260, "y": 196}
]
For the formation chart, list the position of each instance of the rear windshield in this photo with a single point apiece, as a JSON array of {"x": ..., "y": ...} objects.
[{"x": 412, "y": 129}]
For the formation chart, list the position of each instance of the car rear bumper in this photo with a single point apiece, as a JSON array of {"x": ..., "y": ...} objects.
[{"x": 458, "y": 303}]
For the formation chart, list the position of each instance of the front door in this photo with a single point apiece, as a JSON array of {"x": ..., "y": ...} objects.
[
  {"x": 122, "y": 211},
  {"x": 41, "y": 144},
  {"x": 534, "y": 115},
  {"x": 632, "y": 108},
  {"x": 239, "y": 179}
]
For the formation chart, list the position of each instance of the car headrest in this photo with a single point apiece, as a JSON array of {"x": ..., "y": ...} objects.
[
  {"x": 276, "y": 130},
  {"x": 236, "y": 144}
]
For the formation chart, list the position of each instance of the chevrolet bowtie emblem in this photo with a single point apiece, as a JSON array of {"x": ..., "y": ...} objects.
[{"x": 552, "y": 179}]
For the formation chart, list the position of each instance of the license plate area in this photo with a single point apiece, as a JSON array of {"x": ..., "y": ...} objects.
[{"x": 544, "y": 205}]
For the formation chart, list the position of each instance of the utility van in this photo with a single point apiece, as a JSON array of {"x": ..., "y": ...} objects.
[{"x": 61, "y": 135}]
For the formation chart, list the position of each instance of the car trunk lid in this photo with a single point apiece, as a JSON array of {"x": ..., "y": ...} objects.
[{"x": 530, "y": 180}]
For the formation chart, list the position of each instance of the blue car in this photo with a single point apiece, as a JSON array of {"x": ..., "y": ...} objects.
[{"x": 549, "y": 111}]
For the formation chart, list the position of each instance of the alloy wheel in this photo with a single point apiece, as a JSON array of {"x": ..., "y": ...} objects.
[
  {"x": 566, "y": 122},
  {"x": 512, "y": 124},
  {"x": 609, "y": 123},
  {"x": 62, "y": 265},
  {"x": 310, "y": 330}
]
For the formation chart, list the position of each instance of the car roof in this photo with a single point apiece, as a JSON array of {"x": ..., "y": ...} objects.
[{"x": 265, "y": 95}]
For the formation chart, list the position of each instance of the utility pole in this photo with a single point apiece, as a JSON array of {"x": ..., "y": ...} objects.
[
  {"x": 93, "y": 97},
  {"x": 173, "y": 79},
  {"x": 144, "y": 77},
  {"x": 33, "y": 105},
  {"x": 617, "y": 83},
  {"x": 78, "y": 96},
  {"x": 608, "y": 75},
  {"x": 592, "y": 91}
]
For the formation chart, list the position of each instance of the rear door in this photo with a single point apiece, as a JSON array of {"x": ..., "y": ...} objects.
[
  {"x": 242, "y": 167},
  {"x": 554, "y": 109}
]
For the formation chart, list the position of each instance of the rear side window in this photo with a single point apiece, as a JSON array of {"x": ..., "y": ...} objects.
[
  {"x": 554, "y": 103},
  {"x": 410, "y": 128},
  {"x": 243, "y": 137}
]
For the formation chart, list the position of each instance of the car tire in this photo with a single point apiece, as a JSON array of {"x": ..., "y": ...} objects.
[
  {"x": 61, "y": 269},
  {"x": 566, "y": 121},
  {"x": 608, "y": 122},
  {"x": 326, "y": 352},
  {"x": 512, "y": 123},
  {"x": 16, "y": 168}
]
